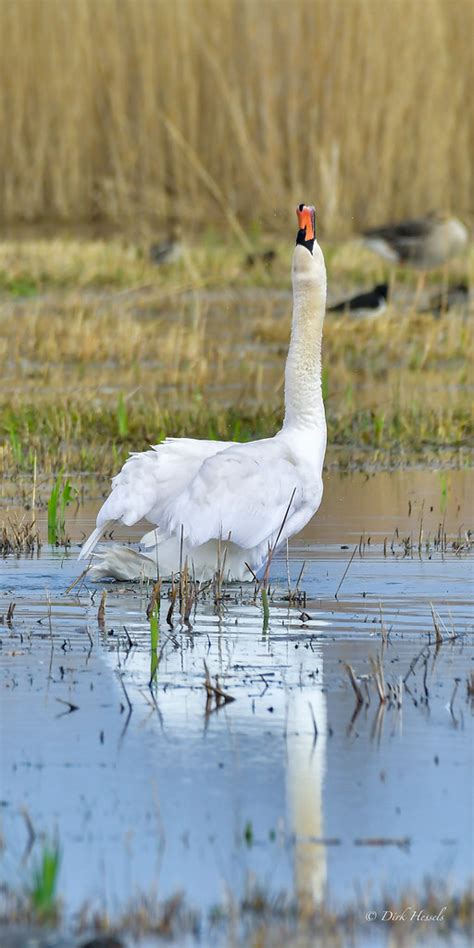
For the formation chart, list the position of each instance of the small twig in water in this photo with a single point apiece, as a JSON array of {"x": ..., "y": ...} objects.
[
  {"x": 315, "y": 726},
  {"x": 271, "y": 550},
  {"x": 77, "y": 580},
  {"x": 439, "y": 637},
  {"x": 456, "y": 686},
  {"x": 377, "y": 669},
  {"x": 214, "y": 691},
  {"x": 154, "y": 599},
  {"x": 127, "y": 699},
  {"x": 345, "y": 572},
  {"x": 353, "y": 680},
  {"x": 72, "y": 707},
  {"x": 31, "y": 833},
  {"x": 101, "y": 609}
]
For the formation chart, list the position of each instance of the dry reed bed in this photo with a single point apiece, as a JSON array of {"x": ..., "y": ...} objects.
[{"x": 142, "y": 109}]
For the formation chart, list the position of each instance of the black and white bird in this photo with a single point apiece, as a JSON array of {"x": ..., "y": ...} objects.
[{"x": 371, "y": 303}]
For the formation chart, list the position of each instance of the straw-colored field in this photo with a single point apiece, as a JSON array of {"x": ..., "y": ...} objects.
[
  {"x": 102, "y": 353},
  {"x": 234, "y": 110}
]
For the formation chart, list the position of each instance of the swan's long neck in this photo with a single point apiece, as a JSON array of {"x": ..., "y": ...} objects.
[{"x": 303, "y": 389}]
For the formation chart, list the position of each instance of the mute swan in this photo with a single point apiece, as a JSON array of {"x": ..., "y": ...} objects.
[
  {"x": 224, "y": 495},
  {"x": 364, "y": 304},
  {"x": 423, "y": 242}
]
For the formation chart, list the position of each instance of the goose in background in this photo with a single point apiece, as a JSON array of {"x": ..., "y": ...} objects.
[
  {"x": 203, "y": 497},
  {"x": 371, "y": 303},
  {"x": 422, "y": 242}
]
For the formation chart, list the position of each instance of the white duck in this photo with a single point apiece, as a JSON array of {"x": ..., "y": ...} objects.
[{"x": 207, "y": 497}]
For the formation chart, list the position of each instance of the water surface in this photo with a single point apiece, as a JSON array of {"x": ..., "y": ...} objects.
[{"x": 170, "y": 797}]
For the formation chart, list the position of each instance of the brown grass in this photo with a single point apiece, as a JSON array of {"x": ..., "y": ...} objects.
[
  {"x": 225, "y": 346},
  {"x": 139, "y": 110},
  {"x": 89, "y": 375}
]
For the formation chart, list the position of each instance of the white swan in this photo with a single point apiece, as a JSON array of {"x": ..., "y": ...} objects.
[{"x": 225, "y": 496}]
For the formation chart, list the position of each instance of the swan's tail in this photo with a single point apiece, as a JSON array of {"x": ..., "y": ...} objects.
[
  {"x": 92, "y": 541},
  {"x": 120, "y": 562}
]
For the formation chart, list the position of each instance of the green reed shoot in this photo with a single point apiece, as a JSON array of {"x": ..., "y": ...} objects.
[
  {"x": 122, "y": 417},
  {"x": 266, "y": 609},
  {"x": 379, "y": 424},
  {"x": 15, "y": 443},
  {"x": 248, "y": 833},
  {"x": 61, "y": 495},
  {"x": 154, "y": 639},
  {"x": 444, "y": 492},
  {"x": 43, "y": 891}
]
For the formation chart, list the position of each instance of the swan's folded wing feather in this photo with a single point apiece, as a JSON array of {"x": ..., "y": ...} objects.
[
  {"x": 150, "y": 480},
  {"x": 243, "y": 492}
]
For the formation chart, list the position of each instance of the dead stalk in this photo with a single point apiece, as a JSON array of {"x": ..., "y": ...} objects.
[{"x": 353, "y": 680}]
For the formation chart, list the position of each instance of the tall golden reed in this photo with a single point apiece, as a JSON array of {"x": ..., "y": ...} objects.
[{"x": 121, "y": 110}]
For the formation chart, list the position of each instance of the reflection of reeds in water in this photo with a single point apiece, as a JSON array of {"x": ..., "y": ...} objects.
[{"x": 113, "y": 109}]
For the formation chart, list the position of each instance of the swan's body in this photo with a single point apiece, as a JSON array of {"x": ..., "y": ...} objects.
[{"x": 210, "y": 499}]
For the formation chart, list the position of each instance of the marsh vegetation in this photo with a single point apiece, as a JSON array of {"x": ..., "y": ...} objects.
[{"x": 114, "y": 354}]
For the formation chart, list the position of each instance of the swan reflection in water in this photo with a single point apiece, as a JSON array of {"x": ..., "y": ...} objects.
[{"x": 306, "y": 769}]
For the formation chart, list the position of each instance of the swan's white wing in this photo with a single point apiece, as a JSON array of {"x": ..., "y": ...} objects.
[
  {"x": 243, "y": 491},
  {"x": 149, "y": 481}
]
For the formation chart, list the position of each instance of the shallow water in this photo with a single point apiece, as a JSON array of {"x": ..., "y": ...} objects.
[{"x": 169, "y": 797}]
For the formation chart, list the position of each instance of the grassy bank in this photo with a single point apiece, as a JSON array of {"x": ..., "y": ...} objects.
[
  {"x": 101, "y": 353},
  {"x": 137, "y": 110},
  {"x": 80, "y": 439}
]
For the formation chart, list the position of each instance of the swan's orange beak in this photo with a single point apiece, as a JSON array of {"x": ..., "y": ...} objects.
[{"x": 306, "y": 220}]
